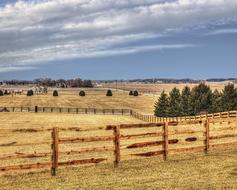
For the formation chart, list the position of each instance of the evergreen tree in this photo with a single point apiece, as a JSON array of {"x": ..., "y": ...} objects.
[
  {"x": 109, "y": 93},
  {"x": 161, "y": 106},
  {"x": 55, "y": 93},
  {"x": 174, "y": 109},
  {"x": 201, "y": 99},
  {"x": 82, "y": 93},
  {"x": 217, "y": 102},
  {"x": 229, "y": 98},
  {"x": 135, "y": 93},
  {"x": 186, "y": 108}
]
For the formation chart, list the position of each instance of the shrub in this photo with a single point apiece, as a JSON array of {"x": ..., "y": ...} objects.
[
  {"x": 30, "y": 93},
  {"x": 131, "y": 93},
  {"x": 55, "y": 93},
  {"x": 6, "y": 92},
  {"x": 135, "y": 93},
  {"x": 82, "y": 93},
  {"x": 1, "y": 93},
  {"x": 109, "y": 93}
]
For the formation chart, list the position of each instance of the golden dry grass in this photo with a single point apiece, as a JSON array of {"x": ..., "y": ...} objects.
[
  {"x": 93, "y": 99},
  {"x": 158, "y": 88},
  {"x": 217, "y": 170}
]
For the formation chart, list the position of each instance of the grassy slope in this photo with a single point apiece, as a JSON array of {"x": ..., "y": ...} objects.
[{"x": 215, "y": 171}]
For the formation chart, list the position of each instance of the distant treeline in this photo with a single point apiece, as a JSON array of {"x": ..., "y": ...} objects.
[
  {"x": 73, "y": 83},
  {"x": 166, "y": 80},
  {"x": 199, "y": 100}
]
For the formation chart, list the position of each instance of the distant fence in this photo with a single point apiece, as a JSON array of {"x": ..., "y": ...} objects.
[
  {"x": 40, "y": 109},
  {"x": 153, "y": 119},
  {"x": 144, "y": 117},
  {"x": 167, "y": 138}
]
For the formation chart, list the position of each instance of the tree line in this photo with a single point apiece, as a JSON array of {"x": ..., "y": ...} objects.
[
  {"x": 62, "y": 83},
  {"x": 198, "y": 100}
]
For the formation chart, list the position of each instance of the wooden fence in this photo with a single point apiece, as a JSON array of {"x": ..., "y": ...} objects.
[
  {"x": 39, "y": 109},
  {"x": 153, "y": 119},
  {"x": 130, "y": 141},
  {"x": 144, "y": 117}
]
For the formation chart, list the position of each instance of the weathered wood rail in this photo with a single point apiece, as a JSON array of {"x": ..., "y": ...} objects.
[{"x": 150, "y": 139}]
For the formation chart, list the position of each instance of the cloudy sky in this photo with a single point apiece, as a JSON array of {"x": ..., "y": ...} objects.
[{"x": 118, "y": 39}]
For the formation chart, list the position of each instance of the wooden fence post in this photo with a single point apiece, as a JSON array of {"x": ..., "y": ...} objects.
[
  {"x": 166, "y": 140},
  {"x": 86, "y": 111},
  {"x": 36, "y": 109},
  {"x": 207, "y": 135},
  {"x": 54, "y": 151},
  {"x": 116, "y": 145}
]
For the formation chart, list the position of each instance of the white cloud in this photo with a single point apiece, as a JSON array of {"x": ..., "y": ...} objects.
[
  {"x": 36, "y": 31},
  {"x": 223, "y": 31}
]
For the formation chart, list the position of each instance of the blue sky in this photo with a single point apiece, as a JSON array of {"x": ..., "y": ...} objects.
[{"x": 118, "y": 39}]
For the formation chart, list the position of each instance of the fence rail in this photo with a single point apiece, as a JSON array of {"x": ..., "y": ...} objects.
[
  {"x": 144, "y": 117},
  {"x": 153, "y": 119},
  {"x": 166, "y": 139}
]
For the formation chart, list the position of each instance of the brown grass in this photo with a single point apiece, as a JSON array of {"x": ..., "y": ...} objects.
[{"x": 93, "y": 99}]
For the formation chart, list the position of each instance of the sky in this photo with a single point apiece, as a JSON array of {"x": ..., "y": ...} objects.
[{"x": 118, "y": 39}]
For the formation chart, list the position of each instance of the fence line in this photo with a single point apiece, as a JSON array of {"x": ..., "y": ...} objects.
[
  {"x": 153, "y": 119},
  {"x": 167, "y": 137},
  {"x": 144, "y": 117}
]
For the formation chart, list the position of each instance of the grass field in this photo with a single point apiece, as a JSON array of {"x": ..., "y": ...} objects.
[
  {"x": 217, "y": 170},
  {"x": 93, "y": 99},
  {"x": 158, "y": 88}
]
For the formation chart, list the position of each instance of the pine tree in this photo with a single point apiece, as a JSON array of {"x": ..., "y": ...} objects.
[
  {"x": 217, "y": 102},
  {"x": 229, "y": 98},
  {"x": 201, "y": 99},
  {"x": 161, "y": 106},
  {"x": 186, "y": 109},
  {"x": 174, "y": 109}
]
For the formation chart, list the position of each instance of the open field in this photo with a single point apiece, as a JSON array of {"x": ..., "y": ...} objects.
[
  {"x": 184, "y": 171},
  {"x": 217, "y": 170},
  {"x": 158, "y": 88},
  {"x": 93, "y": 99},
  {"x": 30, "y": 134}
]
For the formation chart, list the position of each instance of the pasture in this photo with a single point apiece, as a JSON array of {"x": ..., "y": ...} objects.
[
  {"x": 29, "y": 134},
  {"x": 156, "y": 89},
  {"x": 95, "y": 98}
]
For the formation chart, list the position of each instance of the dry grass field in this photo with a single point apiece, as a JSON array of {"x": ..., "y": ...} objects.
[
  {"x": 93, "y": 99},
  {"x": 217, "y": 170},
  {"x": 22, "y": 133},
  {"x": 158, "y": 88}
]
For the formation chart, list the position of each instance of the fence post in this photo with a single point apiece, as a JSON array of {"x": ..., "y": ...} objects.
[
  {"x": 207, "y": 134},
  {"x": 77, "y": 110},
  {"x": 94, "y": 110},
  {"x": 85, "y": 110},
  {"x": 54, "y": 151},
  {"x": 166, "y": 140},
  {"x": 36, "y": 109},
  {"x": 116, "y": 145}
]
